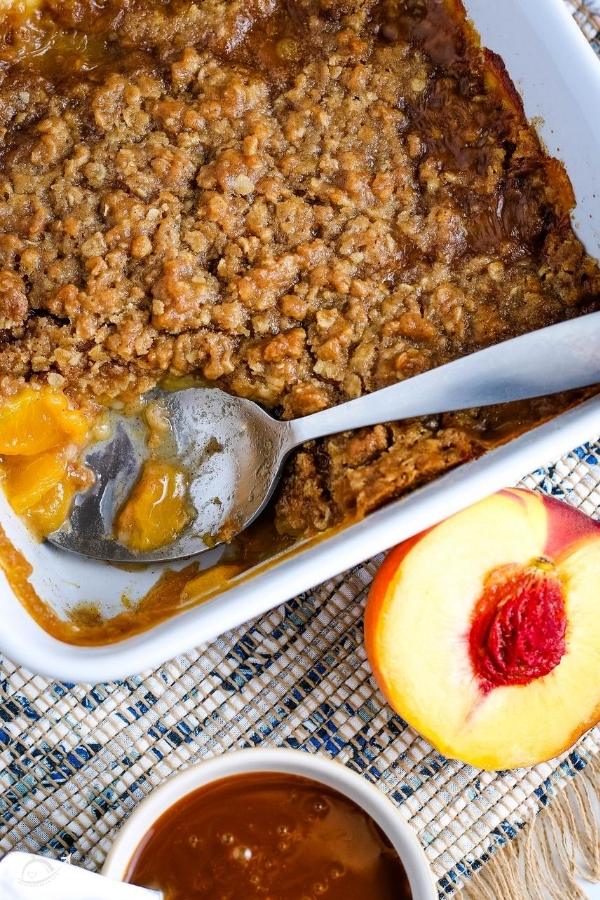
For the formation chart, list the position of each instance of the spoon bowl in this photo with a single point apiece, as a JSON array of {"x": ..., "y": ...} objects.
[{"x": 233, "y": 451}]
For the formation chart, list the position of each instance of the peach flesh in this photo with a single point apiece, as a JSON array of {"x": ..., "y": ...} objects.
[
  {"x": 427, "y": 599},
  {"x": 519, "y": 625},
  {"x": 157, "y": 509}
]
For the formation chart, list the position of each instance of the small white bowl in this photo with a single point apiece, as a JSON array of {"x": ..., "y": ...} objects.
[{"x": 292, "y": 762}]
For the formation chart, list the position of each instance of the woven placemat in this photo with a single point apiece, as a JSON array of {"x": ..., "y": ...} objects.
[
  {"x": 587, "y": 14},
  {"x": 75, "y": 760}
]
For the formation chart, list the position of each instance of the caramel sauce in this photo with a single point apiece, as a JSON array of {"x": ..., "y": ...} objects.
[
  {"x": 252, "y": 553},
  {"x": 173, "y": 592},
  {"x": 62, "y": 40},
  {"x": 18, "y": 571},
  {"x": 87, "y": 626},
  {"x": 268, "y": 835}
]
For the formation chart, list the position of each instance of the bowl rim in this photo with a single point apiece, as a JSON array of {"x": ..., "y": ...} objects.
[{"x": 315, "y": 766}]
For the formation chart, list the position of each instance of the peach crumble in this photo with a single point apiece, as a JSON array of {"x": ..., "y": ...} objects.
[{"x": 297, "y": 201}]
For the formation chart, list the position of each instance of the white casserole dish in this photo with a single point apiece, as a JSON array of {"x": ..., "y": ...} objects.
[{"x": 558, "y": 75}]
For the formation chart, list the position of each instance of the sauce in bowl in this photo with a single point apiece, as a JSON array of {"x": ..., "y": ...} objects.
[{"x": 268, "y": 836}]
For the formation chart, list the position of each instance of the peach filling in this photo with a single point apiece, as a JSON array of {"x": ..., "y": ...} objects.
[
  {"x": 519, "y": 625},
  {"x": 41, "y": 436},
  {"x": 157, "y": 510}
]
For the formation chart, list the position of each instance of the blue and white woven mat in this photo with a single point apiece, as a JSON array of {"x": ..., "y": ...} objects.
[{"x": 75, "y": 761}]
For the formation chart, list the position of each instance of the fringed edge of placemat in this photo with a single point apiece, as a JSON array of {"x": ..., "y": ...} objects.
[{"x": 558, "y": 846}]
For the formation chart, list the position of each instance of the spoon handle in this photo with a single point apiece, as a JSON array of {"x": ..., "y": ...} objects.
[
  {"x": 25, "y": 876},
  {"x": 553, "y": 359}
]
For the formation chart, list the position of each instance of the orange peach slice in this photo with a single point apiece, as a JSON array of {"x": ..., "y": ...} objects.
[
  {"x": 28, "y": 479},
  {"x": 52, "y": 510},
  {"x": 157, "y": 509},
  {"x": 37, "y": 420},
  {"x": 40, "y": 434},
  {"x": 484, "y": 632}
]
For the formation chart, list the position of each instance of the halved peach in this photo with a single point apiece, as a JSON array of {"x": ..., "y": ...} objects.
[{"x": 484, "y": 632}]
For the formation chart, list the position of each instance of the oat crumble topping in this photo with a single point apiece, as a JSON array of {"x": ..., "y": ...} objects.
[{"x": 297, "y": 200}]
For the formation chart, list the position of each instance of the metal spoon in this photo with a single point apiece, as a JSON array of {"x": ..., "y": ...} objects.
[
  {"x": 25, "y": 876},
  {"x": 234, "y": 450}
]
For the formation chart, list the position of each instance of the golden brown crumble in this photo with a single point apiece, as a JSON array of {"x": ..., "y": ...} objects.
[{"x": 299, "y": 201}]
